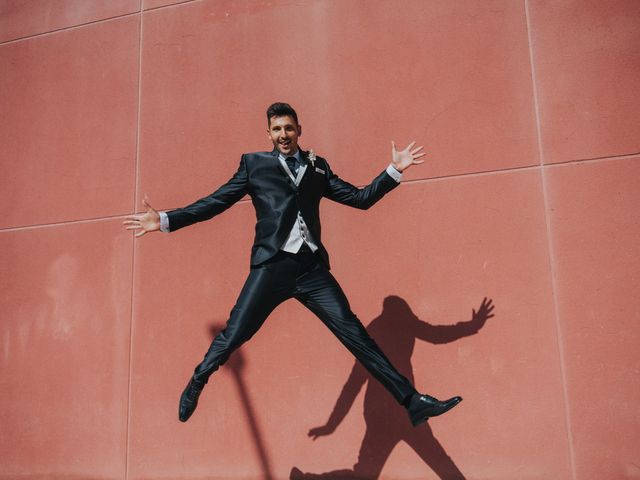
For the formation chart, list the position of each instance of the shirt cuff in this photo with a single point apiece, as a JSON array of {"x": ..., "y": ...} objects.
[
  {"x": 393, "y": 173},
  {"x": 164, "y": 222}
]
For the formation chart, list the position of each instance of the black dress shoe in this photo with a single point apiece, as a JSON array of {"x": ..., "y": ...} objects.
[
  {"x": 421, "y": 407},
  {"x": 189, "y": 399}
]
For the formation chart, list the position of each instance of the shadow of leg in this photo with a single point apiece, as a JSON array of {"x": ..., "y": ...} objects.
[
  {"x": 428, "y": 448},
  {"x": 375, "y": 450},
  {"x": 376, "y": 447}
]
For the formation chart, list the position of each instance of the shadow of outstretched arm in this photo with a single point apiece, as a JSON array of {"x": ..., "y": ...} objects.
[
  {"x": 449, "y": 333},
  {"x": 349, "y": 392}
]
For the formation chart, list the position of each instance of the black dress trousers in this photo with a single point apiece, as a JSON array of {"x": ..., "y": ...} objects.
[{"x": 305, "y": 277}]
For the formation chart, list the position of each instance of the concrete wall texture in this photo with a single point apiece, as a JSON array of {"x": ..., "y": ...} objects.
[{"x": 529, "y": 196}]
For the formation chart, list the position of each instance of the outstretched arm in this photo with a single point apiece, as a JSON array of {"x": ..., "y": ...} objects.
[
  {"x": 343, "y": 192},
  {"x": 203, "y": 209}
]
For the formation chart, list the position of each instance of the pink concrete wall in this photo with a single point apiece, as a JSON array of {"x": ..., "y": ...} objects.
[{"x": 529, "y": 196}]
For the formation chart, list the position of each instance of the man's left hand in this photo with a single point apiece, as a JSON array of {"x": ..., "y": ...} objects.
[{"x": 401, "y": 160}]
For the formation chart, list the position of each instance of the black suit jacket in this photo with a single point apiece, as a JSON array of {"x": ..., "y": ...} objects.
[{"x": 277, "y": 200}]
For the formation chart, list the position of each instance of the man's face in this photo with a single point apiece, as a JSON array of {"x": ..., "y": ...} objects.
[{"x": 284, "y": 132}]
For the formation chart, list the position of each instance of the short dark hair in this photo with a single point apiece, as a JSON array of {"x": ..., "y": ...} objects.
[{"x": 280, "y": 109}]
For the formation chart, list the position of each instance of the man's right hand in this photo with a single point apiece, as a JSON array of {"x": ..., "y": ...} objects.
[{"x": 145, "y": 222}]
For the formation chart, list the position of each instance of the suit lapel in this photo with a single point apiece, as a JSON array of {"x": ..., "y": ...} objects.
[
  {"x": 305, "y": 164},
  {"x": 276, "y": 159}
]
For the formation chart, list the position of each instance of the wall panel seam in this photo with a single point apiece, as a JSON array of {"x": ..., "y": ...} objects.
[
  {"x": 170, "y": 5},
  {"x": 134, "y": 243},
  {"x": 70, "y": 27},
  {"x": 550, "y": 248}
]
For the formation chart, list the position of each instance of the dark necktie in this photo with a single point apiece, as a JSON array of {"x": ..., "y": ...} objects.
[{"x": 292, "y": 163}]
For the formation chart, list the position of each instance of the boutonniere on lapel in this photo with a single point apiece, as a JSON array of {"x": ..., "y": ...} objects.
[{"x": 312, "y": 161}]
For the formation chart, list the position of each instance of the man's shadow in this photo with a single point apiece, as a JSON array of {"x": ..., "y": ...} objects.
[
  {"x": 237, "y": 364},
  {"x": 395, "y": 331}
]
